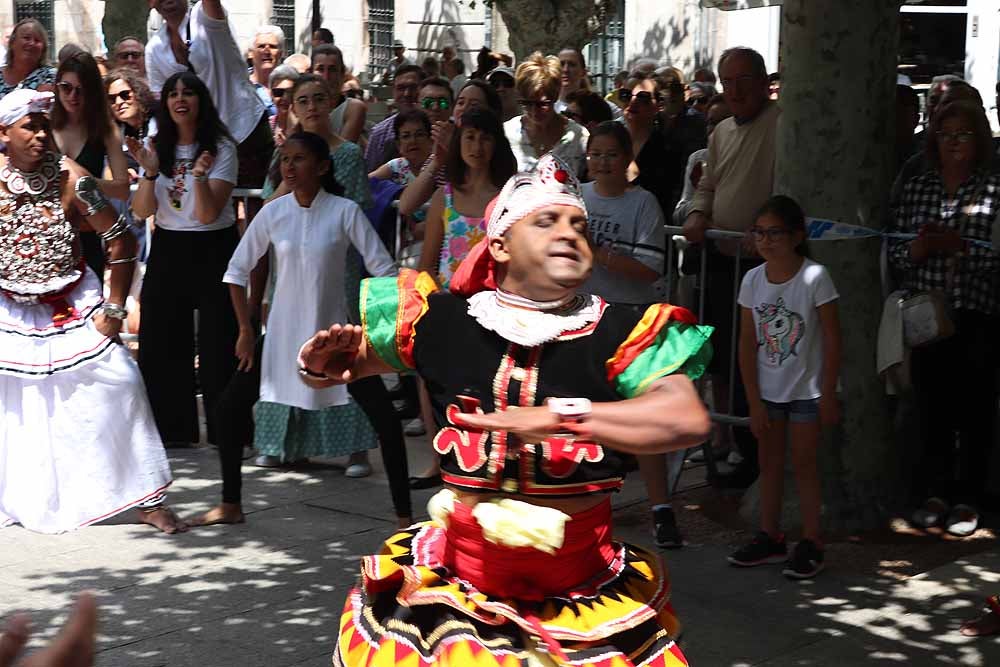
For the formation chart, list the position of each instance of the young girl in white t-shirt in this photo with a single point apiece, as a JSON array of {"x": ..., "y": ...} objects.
[{"x": 790, "y": 360}]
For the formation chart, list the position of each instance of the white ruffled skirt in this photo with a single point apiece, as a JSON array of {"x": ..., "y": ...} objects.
[{"x": 78, "y": 442}]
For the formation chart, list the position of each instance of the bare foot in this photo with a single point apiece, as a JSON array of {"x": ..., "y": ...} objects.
[
  {"x": 224, "y": 513},
  {"x": 164, "y": 519},
  {"x": 987, "y": 624}
]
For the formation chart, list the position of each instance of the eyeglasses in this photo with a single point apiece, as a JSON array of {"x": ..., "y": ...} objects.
[
  {"x": 609, "y": 157},
  {"x": 130, "y": 55},
  {"x": 739, "y": 81},
  {"x": 443, "y": 103},
  {"x": 544, "y": 105},
  {"x": 67, "y": 88},
  {"x": 642, "y": 97},
  {"x": 771, "y": 234},
  {"x": 317, "y": 99},
  {"x": 123, "y": 95},
  {"x": 955, "y": 137}
]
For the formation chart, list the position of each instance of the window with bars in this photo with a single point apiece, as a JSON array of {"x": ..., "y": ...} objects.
[
  {"x": 283, "y": 16},
  {"x": 381, "y": 20},
  {"x": 41, "y": 10},
  {"x": 606, "y": 54}
]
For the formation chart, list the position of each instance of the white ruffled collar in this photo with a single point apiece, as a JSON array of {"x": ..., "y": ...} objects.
[{"x": 531, "y": 323}]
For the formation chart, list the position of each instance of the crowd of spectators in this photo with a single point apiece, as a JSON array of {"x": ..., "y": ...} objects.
[{"x": 189, "y": 116}]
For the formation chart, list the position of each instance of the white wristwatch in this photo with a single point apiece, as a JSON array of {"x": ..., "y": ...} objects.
[{"x": 570, "y": 409}]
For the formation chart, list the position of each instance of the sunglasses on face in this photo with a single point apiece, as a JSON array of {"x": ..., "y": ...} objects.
[
  {"x": 129, "y": 55},
  {"x": 771, "y": 234},
  {"x": 572, "y": 115},
  {"x": 442, "y": 103},
  {"x": 278, "y": 93},
  {"x": 124, "y": 96},
  {"x": 67, "y": 88},
  {"x": 528, "y": 105},
  {"x": 642, "y": 97}
]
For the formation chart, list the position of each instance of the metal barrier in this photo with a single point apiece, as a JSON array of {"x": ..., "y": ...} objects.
[{"x": 674, "y": 238}]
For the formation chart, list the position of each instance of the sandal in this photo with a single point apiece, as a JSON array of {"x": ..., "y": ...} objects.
[
  {"x": 963, "y": 520},
  {"x": 932, "y": 513}
]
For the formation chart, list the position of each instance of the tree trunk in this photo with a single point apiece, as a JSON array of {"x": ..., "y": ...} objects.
[
  {"x": 834, "y": 156},
  {"x": 124, "y": 17},
  {"x": 550, "y": 25}
]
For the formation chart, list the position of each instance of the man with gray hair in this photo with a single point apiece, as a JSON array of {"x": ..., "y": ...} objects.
[
  {"x": 268, "y": 50},
  {"x": 738, "y": 179}
]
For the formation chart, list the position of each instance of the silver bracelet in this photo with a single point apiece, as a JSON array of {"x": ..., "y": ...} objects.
[
  {"x": 201, "y": 179},
  {"x": 114, "y": 311},
  {"x": 123, "y": 260},
  {"x": 304, "y": 371},
  {"x": 120, "y": 228}
]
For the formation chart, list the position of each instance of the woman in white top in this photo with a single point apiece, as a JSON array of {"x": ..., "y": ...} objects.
[
  {"x": 310, "y": 231},
  {"x": 540, "y": 129},
  {"x": 189, "y": 173}
]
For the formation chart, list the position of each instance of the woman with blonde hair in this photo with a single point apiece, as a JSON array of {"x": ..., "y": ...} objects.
[
  {"x": 540, "y": 130},
  {"x": 26, "y": 66}
]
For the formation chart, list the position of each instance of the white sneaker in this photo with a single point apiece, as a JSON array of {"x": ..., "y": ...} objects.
[
  {"x": 358, "y": 470},
  {"x": 415, "y": 427},
  {"x": 734, "y": 458},
  {"x": 264, "y": 461},
  {"x": 962, "y": 521}
]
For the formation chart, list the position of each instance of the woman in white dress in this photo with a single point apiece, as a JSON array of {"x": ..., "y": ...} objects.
[{"x": 310, "y": 231}]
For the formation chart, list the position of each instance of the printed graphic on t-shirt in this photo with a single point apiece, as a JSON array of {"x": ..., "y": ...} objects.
[
  {"x": 603, "y": 229},
  {"x": 779, "y": 331}
]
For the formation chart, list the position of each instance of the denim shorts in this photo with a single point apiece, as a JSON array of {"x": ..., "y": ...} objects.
[{"x": 797, "y": 412}]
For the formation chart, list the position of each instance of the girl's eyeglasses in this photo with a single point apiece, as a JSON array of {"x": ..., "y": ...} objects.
[
  {"x": 535, "y": 104},
  {"x": 771, "y": 234}
]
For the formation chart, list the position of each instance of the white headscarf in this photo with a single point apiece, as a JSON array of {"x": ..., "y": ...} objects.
[{"x": 18, "y": 103}]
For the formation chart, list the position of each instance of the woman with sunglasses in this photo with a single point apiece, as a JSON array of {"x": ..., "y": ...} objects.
[
  {"x": 189, "y": 170},
  {"x": 132, "y": 105},
  {"x": 281, "y": 82},
  {"x": 653, "y": 166},
  {"x": 27, "y": 49},
  {"x": 82, "y": 128},
  {"x": 540, "y": 130}
]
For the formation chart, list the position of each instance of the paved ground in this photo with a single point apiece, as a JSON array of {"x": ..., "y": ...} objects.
[{"x": 269, "y": 592}]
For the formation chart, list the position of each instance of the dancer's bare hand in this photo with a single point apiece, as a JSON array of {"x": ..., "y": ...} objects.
[
  {"x": 74, "y": 647},
  {"x": 529, "y": 424},
  {"x": 108, "y": 326},
  {"x": 333, "y": 352}
]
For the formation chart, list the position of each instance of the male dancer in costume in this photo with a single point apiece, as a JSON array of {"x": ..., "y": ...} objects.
[
  {"x": 78, "y": 443},
  {"x": 543, "y": 389}
]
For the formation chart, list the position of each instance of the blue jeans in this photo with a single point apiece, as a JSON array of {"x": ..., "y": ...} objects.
[{"x": 797, "y": 412}]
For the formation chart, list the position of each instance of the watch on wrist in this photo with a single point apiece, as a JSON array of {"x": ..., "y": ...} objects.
[
  {"x": 114, "y": 311},
  {"x": 570, "y": 409}
]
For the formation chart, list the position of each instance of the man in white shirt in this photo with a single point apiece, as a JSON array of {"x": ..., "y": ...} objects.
[
  {"x": 268, "y": 50},
  {"x": 201, "y": 40}
]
